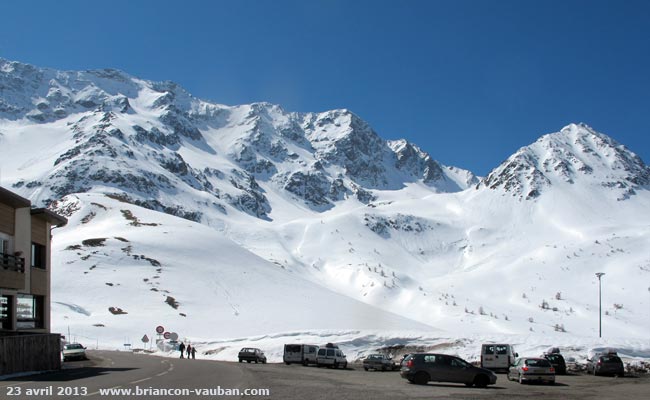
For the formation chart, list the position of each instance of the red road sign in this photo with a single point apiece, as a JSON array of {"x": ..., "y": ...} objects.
[
  {"x": 160, "y": 329},
  {"x": 167, "y": 335}
]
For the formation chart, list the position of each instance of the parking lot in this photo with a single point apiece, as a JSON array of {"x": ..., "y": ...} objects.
[{"x": 298, "y": 382}]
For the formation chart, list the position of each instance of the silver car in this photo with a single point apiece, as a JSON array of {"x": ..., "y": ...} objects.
[{"x": 528, "y": 369}]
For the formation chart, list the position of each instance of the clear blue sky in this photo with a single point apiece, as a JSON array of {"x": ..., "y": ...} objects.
[{"x": 468, "y": 81}]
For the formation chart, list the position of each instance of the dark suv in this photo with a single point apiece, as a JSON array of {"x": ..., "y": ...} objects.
[
  {"x": 557, "y": 361},
  {"x": 606, "y": 364},
  {"x": 420, "y": 368}
]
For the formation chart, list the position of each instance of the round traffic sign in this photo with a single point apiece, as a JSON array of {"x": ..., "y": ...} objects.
[
  {"x": 167, "y": 335},
  {"x": 174, "y": 336},
  {"x": 160, "y": 329}
]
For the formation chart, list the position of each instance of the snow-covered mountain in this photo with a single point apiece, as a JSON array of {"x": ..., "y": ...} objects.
[
  {"x": 575, "y": 155},
  {"x": 153, "y": 143},
  {"x": 295, "y": 222}
]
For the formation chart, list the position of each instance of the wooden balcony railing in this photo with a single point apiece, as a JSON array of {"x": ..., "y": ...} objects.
[{"x": 12, "y": 263}]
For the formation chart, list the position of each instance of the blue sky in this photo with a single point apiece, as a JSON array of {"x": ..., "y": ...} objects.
[{"x": 468, "y": 81}]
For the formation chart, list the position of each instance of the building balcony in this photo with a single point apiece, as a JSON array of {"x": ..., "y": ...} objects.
[{"x": 12, "y": 263}]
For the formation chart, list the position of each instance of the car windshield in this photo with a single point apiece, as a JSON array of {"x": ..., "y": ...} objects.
[
  {"x": 536, "y": 362},
  {"x": 73, "y": 346},
  {"x": 554, "y": 358}
]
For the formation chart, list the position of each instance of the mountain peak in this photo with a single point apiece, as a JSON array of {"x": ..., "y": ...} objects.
[{"x": 577, "y": 154}]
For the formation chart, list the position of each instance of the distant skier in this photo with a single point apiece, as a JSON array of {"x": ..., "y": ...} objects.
[
  {"x": 181, "y": 347},
  {"x": 189, "y": 351}
]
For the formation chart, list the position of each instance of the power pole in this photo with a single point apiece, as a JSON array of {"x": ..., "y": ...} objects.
[{"x": 600, "y": 305}]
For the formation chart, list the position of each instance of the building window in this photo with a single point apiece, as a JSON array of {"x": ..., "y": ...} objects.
[
  {"x": 5, "y": 312},
  {"x": 38, "y": 255},
  {"x": 29, "y": 312}
]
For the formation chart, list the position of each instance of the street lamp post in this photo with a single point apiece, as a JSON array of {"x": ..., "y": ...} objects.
[{"x": 600, "y": 305}]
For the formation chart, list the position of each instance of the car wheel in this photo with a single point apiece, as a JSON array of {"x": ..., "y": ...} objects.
[
  {"x": 469, "y": 384},
  {"x": 240, "y": 360},
  {"x": 366, "y": 368},
  {"x": 287, "y": 363},
  {"x": 248, "y": 361},
  {"x": 345, "y": 365},
  {"x": 421, "y": 378},
  {"x": 481, "y": 381},
  {"x": 304, "y": 363},
  {"x": 336, "y": 364}
]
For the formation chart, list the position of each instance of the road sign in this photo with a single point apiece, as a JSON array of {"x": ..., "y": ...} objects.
[
  {"x": 167, "y": 335},
  {"x": 160, "y": 329},
  {"x": 145, "y": 339},
  {"x": 174, "y": 336}
]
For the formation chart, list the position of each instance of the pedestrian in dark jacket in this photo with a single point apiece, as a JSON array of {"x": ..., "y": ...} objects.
[
  {"x": 181, "y": 347},
  {"x": 193, "y": 352},
  {"x": 189, "y": 351}
]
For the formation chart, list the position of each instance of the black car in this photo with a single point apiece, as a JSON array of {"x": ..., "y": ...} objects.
[
  {"x": 557, "y": 361},
  {"x": 606, "y": 364},
  {"x": 420, "y": 368},
  {"x": 250, "y": 354}
]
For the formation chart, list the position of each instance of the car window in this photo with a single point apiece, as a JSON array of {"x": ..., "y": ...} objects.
[
  {"x": 429, "y": 359},
  {"x": 330, "y": 353},
  {"x": 489, "y": 349},
  {"x": 443, "y": 360},
  {"x": 611, "y": 359},
  {"x": 533, "y": 362},
  {"x": 321, "y": 352},
  {"x": 458, "y": 363},
  {"x": 502, "y": 349}
]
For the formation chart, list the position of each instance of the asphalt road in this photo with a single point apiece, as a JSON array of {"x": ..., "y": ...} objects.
[{"x": 139, "y": 376}]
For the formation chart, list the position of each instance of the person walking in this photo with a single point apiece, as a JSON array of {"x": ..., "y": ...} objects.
[
  {"x": 181, "y": 347},
  {"x": 189, "y": 351},
  {"x": 193, "y": 352}
]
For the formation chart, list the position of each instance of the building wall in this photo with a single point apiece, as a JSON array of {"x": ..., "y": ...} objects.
[{"x": 7, "y": 219}]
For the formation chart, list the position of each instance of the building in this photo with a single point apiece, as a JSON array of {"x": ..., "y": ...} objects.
[{"x": 25, "y": 237}]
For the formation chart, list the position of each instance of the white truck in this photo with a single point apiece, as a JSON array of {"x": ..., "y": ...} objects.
[
  {"x": 304, "y": 354},
  {"x": 497, "y": 356},
  {"x": 331, "y": 356}
]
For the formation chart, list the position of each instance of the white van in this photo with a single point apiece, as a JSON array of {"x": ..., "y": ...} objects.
[
  {"x": 331, "y": 356},
  {"x": 300, "y": 353},
  {"x": 497, "y": 356}
]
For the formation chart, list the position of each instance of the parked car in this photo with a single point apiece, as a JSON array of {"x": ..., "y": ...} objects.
[
  {"x": 300, "y": 353},
  {"x": 250, "y": 354},
  {"x": 497, "y": 357},
  {"x": 379, "y": 362},
  {"x": 606, "y": 364},
  {"x": 331, "y": 356},
  {"x": 404, "y": 357},
  {"x": 420, "y": 368},
  {"x": 73, "y": 351},
  {"x": 528, "y": 369},
  {"x": 557, "y": 361}
]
